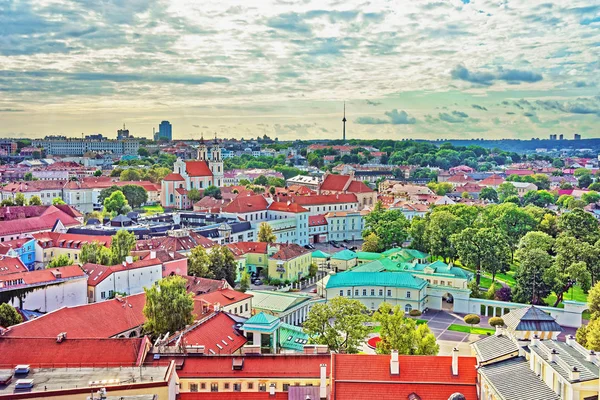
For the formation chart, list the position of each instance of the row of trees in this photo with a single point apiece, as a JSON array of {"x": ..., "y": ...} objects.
[
  {"x": 219, "y": 263},
  {"x": 134, "y": 196},
  {"x": 20, "y": 200}
]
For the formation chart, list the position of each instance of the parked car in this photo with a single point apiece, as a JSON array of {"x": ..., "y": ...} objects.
[
  {"x": 307, "y": 246},
  {"x": 258, "y": 282},
  {"x": 313, "y": 290}
]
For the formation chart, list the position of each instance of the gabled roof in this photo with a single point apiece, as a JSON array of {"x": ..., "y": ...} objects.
[
  {"x": 334, "y": 182},
  {"x": 344, "y": 255},
  {"x": 42, "y": 352},
  {"x": 393, "y": 279},
  {"x": 276, "y": 301},
  {"x": 289, "y": 251},
  {"x": 262, "y": 319},
  {"x": 173, "y": 177},
  {"x": 98, "y": 273},
  {"x": 224, "y": 297},
  {"x": 531, "y": 318},
  {"x": 198, "y": 286},
  {"x": 492, "y": 180},
  {"x": 287, "y": 207},
  {"x": 96, "y": 320},
  {"x": 198, "y": 168},
  {"x": 246, "y": 204},
  {"x": 320, "y": 254},
  {"x": 493, "y": 347},
  {"x": 69, "y": 240},
  {"x": 323, "y": 199},
  {"x": 358, "y": 187},
  {"x": 45, "y": 221},
  {"x": 175, "y": 243},
  {"x": 241, "y": 248},
  {"x": 40, "y": 276},
  {"x": 217, "y": 334},
  {"x": 317, "y": 220},
  {"x": 11, "y": 265}
]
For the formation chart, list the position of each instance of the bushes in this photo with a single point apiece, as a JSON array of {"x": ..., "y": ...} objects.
[
  {"x": 472, "y": 319},
  {"x": 496, "y": 321},
  {"x": 504, "y": 294},
  {"x": 414, "y": 313},
  {"x": 491, "y": 293}
]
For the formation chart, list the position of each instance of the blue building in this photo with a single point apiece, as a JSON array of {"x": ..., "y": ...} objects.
[
  {"x": 165, "y": 131},
  {"x": 22, "y": 248}
]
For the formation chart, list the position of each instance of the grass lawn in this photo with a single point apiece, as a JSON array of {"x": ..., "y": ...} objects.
[
  {"x": 156, "y": 209},
  {"x": 467, "y": 329}
]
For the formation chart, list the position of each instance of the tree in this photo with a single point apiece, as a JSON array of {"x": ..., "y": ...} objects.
[
  {"x": 440, "y": 188},
  {"x": 403, "y": 334},
  {"x": 9, "y": 316},
  {"x": 261, "y": 180},
  {"x": 471, "y": 319},
  {"x": 513, "y": 199},
  {"x": 489, "y": 194},
  {"x": 135, "y": 195},
  {"x": 390, "y": 226},
  {"x": 531, "y": 287},
  {"x": 549, "y": 224},
  {"x": 244, "y": 281},
  {"x": 503, "y": 294},
  {"x": 244, "y": 182},
  {"x": 416, "y": 231},
  {"x": 591, "y": 197},
  {"x": 98, "y": 172},
  {"x": 121, "y": 246},
  {"x": 513, "y": 221},
  {"x": 169, "y": 308},
  {"x": 199, "y": 263},
  {"x": 28, "y": 176},
  {"x": 95, "y": 253},
  {"x": 265, "y": 233},
  {"x": 20, "y": 199},
  {"x": 496, "y": 321},
  {"x": 277, "y": 182},
  {"x": 584, "y": 181},
  {"x": 213, "y": 191},
  {"x": 579, "y": 224},
  {"x": 105, "y": 193},
  {"x": 564, "y": 200},
  {"x": 60, "y": 261},
  {"x": 143, "y": 152},
  {"x": 35, "y": 201},
  {"x": 540, "y": 198},
  {"x": 483, "y": 248},
  {"x": 194, "y": 195},
  {"x": 594, "y": 186},
  {"x": 57, "y": 201},
  {"x": 506, "y": 190},
  {"x": 130, "y": 174},
  {"x": 536, "y": 240},
  {"x": 594, "y": 301},
  {"x": 116, "y": 202},
  {"x": 223, "y": 264},
  {"x": 442, "y": 225},
  {"x": 473, "y": 286},
  {"x": 7, "y": 202},
  {"x": 371, "y": 243},
  {"x": 339, "y": 323}
]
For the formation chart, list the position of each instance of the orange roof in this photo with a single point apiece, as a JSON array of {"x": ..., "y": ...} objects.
[
  {"x": 197, "y": 168},
  {"x": 224, "y": 297},
  {"x": 287, "y": 207},
  {"x": 37, "y": 223},
  {"x": 97, "y": 273},
  {"x": 333, "y": 182},
  {"x": 317, "y": 220},
  {"x": 40, "y": 276},
  {"x": 69, "y": 240},
  {"x": 96, "y": 320},
  {"x": 460, "y": 178},
  {"x": 289, "y": 251},
  {"x": 217, "y": 334},
  {"x": 359, "y": 187},
  {"x": 33, "y": 186},
  {"x": 173, "y": 177},
  {"x": 45, "y": 352},
  {"x": 241, "y": 248},
  {"x": 246, "y": 204},
  {"x": 325, "y": 199},
  {"x": 11, "y": 265},
  {"x": 492, "y": 180}
]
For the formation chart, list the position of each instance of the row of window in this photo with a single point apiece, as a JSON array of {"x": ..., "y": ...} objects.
[
  {"x": 441, "y": 283},
  {"x": 364, "y": 293},
  {"x": 237, "y": 386}
]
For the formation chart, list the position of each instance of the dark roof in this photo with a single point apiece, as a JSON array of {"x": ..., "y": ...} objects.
[
  {"x": 513, "y": 379},
  {"x": 531, "y": 319},
  {"x": 566, "y": 356},
  {"x": 493, "y": 347}
]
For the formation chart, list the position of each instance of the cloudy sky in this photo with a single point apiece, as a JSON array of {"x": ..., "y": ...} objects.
[{"x": 406, "y": 69}]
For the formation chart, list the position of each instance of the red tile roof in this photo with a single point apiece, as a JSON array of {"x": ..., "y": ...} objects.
[
  {"x": 69, "y": 240},
  {"x": 492, "y": 180},
  {"x": 198, "y": 168},
  {"x": 47, "y": 352},
  {"x": 225, "y": 297},
  {"x": 317, "y": 220},
  {"x": 233, "y": 396},
  {"x": 289, "y": 251},
  {"x": 21, "y": 212},
  {"x": 430, "y": 377},
  {"x": 246, "y": 204},
  {"x": 359, "y": 187},
  {"x": 97, "y": 320},
  {"x": 173, "y": 177},
  {"x": 334, "y": 182},
  {"x": 218, "y": 330},
  {"x": 33, "y": 186},
  {"x": 520, "y": 172},
  {"x": 181, "y": 191},
  {"x": 265, "y": 366},
  {"x": 325, "y": 199},
  {"x": 287, "y": 207},
  {"x": 460, "y": 178},
  {"x": 40, "y": 276},
  {"x": 241, "y": 248},
  {"x": 198, "y": 286},
  {"x": 37, "y": 223},
  {"x": 97, "y": 273},
  {"x": 175, "y": 244},
  {"x": 11, "y": 265}
]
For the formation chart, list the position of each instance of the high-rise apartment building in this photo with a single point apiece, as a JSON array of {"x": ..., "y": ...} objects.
[{"x": 165, "y": 131}]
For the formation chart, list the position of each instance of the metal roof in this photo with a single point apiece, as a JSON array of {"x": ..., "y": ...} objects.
[
  {"x": 531, "y": 319},
  {"x": 493, "y": 347},
  {"x": 391, "y": 279}
]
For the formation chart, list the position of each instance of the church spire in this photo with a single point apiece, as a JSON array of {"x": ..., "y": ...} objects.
[
  {"x": 202, "y": 138},
  {"x": 344, "y": 121},
  {"x": 216, "y": 141}
]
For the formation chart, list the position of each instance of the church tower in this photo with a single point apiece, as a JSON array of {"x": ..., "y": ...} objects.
[
  {"x": 216, "y": 163},
  {"x": 202, "y": 150}
]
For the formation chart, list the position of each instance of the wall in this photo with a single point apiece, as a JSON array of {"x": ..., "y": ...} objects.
[
  {"x": 130, "y": 281},
  {"x": 48, "y": 298},
  {"x": 185, "y": 383},
  {"x": 392, "y": 295}
]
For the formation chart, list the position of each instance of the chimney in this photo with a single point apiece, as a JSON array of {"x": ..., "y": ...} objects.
[
  {"x": 591, "y": 356},
  {"x": 574, "y": 374},
  {"x": 570, "y": 340},
  {"x": 272, "y": 389},
  {"x": 394, "y": 363},
  {"x": 152, "y": 255},
  {"x": 323, "y": 384},
  {"x": 498, "y": 330},
  {"x": 552, "y": 355},
  {"x": 129, "y": 259},
  {"x": 535, "y": 341},
  {"x": 455, "y": 361}
]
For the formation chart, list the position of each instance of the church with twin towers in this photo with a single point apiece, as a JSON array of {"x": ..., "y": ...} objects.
[{"x": 205, "y": 171}]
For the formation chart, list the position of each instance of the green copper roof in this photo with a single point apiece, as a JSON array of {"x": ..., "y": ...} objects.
[
  {"x": 261, "y": 319},
  {"x": 367, "y": 255},
  {"x": 320, "y": 254},
  {"x": 392, "y": 279},
  {"x": 385, "y": 264},
  {"x": 292, "y": 337},
  {"x": 392, "y": 251},
  {"x": 344, "y": 255},
  {"x": 439, "y": 268}
]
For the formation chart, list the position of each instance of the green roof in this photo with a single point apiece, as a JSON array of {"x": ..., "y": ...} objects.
[
  {"x": 276, "y": 301},
  {"x": 367, "y": 255},
  {"x": 344, "y": 255},
  {"x": 292, "y": 337},
  {"x": 392, "y": 251},
  {"x": 261, "y": 319},
  {"x": 320, "y": 254},
  {"x": 439, "y": 268},
  {"x": 385, "y": 264},
  {"x": 393, "y": 279}
]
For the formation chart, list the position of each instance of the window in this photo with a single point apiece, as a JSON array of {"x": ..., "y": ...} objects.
[
  {"x": 442, "y": 283},
  {"x": 408, "y": 295},
  {"x": 250, "y": 385},
  {"x": 435, "y": 282},
  {"x": 341, "y": 292},
  {"x": 380, "y": 292},
  {"x": 286, "y": 387},
  {"x": 103, "y": 295},
  {"x": 237, "y": 387},
  {"x": 356, "y": 292},
  {"x": 214, "y": 387},
  {"x": 262, "y": 387},
  {"x": 364, "y": 292},
  {"x": 372, "y": 292},
  {"x": 203, "y": 386},
  {"x": 246, "y": 307},
  {"x": 226, "y": 385},
  {"x": 349, "y": 292},
  {"x": 407, "y": 308},
  {"x": 193, "y": 387},
  {"x": 389, "y": 292}
]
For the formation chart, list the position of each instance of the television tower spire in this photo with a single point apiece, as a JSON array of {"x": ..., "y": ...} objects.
[{"x": 344, "y": 121}]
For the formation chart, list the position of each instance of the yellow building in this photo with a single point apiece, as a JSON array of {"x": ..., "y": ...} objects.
[
  {"x": 290, "y": 263},
  {"x": 49, "y": 245}
]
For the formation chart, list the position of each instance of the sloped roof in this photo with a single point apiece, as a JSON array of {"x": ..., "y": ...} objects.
[
  {"x": 241, "y": 248},
  {"x": 317, "y": 220},
  {"x": 173, "y": 177},
  {"x": 394, "y": 279},
  {"x": 198, "y": 168},
  {"x": 289, "y": 251},
  {"x": 276, "y": 301},
  {"x": 531, "y": 318},
  {"x": 321, "y": 199},
  {"x": 40, "y": 276},
  {"x": 344, "y": 255},
  {"x": 224, "y": 297},
  {"x": 292, "y": 337},
  {"x": 320, "y": 254},
  {"x": 45, "y": 221},
  {"x": 11, "y": 265},
  {"x": 359, "y": 187},
  {"x": 493, "y": 347},
  {"x": 70, "y": 240},
  {"x": 217, "y": 334},
  {"x": 493, "y": 180},
  {"x": 334, "y": 182},
  {"x": 198, "y": 285},
  {"x": 98, "y": 273},
  {"x": 246, "y": 204},
  {"x": 262, "y": 319},
  {"x": 287, "y": 207}
]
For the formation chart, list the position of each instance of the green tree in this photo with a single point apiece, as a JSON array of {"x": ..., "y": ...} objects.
[
  {"x": 9, "y": 316},
  {"x": 261, "y": 180},
  {"x": 20, "y": 199},
  {"x": 244, "y": 281},
  {"x": 416, "y": 232},
  {"x": 506, "y": 190},
  {"x": 105, "y": 193},
  {"x": 513, "y": 221},
  {"x": 28, "y": 176},
  {"x": 213, "y": 191},
  {"x": 540, "y": 198},
  {"x": 121, "y": 246},
  {"x": 169, "y": 308},
  {"x": 536, "y": 240},
  {"x": 579, "y": 224},
  {"x": 403, "y": 334},
  {"x": 116, "y": 202},
  {"x": 95, "y": 253},
  {"x": 595, "y": 187},
  {"x": 391, "y": 226},
  {"x": 265, "y": 233},
  {"x": 483, "y": 248},
  {"x": 194, "y": 195},
  {"x": 371, "y": 243},
  {"x": 35, "y": 201},
  {"x": 339, "y": 323},
  {"x": 313, "y": 269},
  {"x": 7, "y": 202},
  {"x": 130, "y": 174},
  {"x": 549, "y": 224},
  {"x": 496, "y": 321},
  {"x": 135, "y": 195},
  {"x": 57, "y": 201},
  {"x": 277, "y": 182},
  {"x": 440, "y": 188},
  {"x": 442, "y": 225},
  {"x": 223, "y": 264},
  {"x": 513, "y": 199},
  {"x": 244, "y": 182},
  {"x": 584, "y": 181},
  {"x": 489, "y": 194},
  {"x": 143, "y": 152},
  {"x": 591, "y": 197},
  {"x": 98, "y": 172},
  {"x": 564, "y": 200},
  {"x": 471, "y": 319},
  {"x": 531, "y": 287},
  {"x": 60, "y": 261},
  {"x": 199, "y": 263}
]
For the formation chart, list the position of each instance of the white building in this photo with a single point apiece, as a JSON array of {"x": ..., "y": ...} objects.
[{"x": 63, "y": 146}]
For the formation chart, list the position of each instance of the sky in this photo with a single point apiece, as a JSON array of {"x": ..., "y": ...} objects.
[{"x": 405, "y": 69}]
